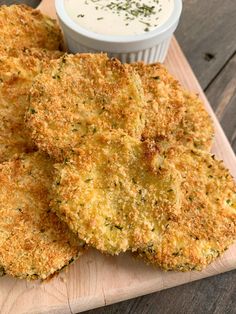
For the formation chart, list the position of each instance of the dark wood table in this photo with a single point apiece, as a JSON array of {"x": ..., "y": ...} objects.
[{"x": 207, "y": 35}]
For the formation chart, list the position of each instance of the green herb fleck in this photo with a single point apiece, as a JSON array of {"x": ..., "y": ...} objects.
[
  {"x": 56, "y": 77},
  {"x": 94, "y": 130},
  {"x": 130, "y": 10},
  {"x": 32, "y": 111},
  {"x": 175, "y": 254},
  {"x": 118, "y": 227}
]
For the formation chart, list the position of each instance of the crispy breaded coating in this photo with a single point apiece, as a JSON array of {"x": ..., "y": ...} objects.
[
  {"x": 206, "y": 225},
  {"x": 23, "y": 27},
  {"x": 44, "y": 55},
  {"x": 113, "y": 195},
  {"x": 80, "y": 95},
  {"x": 34, "y": 243},
  {"x": 16, "y": 76},
  {"x": 171, "y": 112},
  {"x": 164, "y": 98},
  {"x": 196, "y": 128}
]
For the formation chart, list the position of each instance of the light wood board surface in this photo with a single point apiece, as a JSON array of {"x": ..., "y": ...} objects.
[{"x": 96, "y": 280}]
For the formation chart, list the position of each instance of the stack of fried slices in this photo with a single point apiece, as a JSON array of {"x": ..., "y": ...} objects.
[{"x": 98, "y": 153}]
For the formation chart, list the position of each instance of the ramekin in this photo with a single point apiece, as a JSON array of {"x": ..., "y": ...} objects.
[{"x": 148, "y": 47}]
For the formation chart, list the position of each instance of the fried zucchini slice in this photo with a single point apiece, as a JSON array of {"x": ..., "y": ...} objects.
[
  {"x": 171, "y": 112},
  {"x": 80, "y": 95},
  {"x": 164, "y": 107},
  {"x": 23, "y": 27},
  {"x": 34, "y": 243},
  {"x": 196, "y": 128},
  {"x": 114, "y": 194},
  {"x": 206, "y": 225},
  {"x": 16, "y": 76}
]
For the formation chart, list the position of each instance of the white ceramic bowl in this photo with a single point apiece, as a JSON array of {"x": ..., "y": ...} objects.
[{"x": 148, "y": 47}]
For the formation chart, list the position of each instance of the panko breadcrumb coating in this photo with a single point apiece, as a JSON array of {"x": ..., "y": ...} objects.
[
  {"x": 175, "y": 206},
  {"x": 80, "y": 95},
  {"x": 44, "y": 55},
  {"x": 206, "y": 225},
  {"x": 23, "y": 27},
  {"x": 34, "y": 243},
  {"x": 113, "y": 195},
  {"x": 16, "y": 76},
  {"x": 196, "y": 128},
  {"x": 164, "y": 98},
  {"x": 171, "y": 112}
]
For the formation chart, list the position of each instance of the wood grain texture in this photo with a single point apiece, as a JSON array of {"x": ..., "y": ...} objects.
[
  {"x": 207, "y": 34},
  {"x": 212, "y": 295},
  {"x": 89, "y": 283},
  {"x": 47, "y": 7},
  {"x": 222, "y": 95}
]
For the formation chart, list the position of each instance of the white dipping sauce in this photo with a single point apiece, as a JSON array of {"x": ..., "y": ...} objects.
[{"x": 114, "y": 17}]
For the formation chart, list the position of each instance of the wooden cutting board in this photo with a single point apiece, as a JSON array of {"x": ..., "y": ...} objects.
[{"x": 96, "y": 280}]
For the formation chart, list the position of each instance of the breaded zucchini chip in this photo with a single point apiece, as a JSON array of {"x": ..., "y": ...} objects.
[
  {"x": 206, "y": 225},
  {"x": 171, "y": 112},
  {"x": 16, "y": 76},
  {"x": 113, "y": 195},
  {"x": 34, "y": 243},
  {"x": 196, "y": 127},
  {"x": 80, "y": 95},
  {"x": 23, "y": 27},
  {"x": 164, "y": 108}
]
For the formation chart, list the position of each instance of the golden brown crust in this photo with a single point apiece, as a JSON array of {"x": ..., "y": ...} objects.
[
  {"x": 171, "y": 112},
  {"x": 34, "y": 243},
  {"x": 16, "y": 76},
  {"x": 112, "y": 193},
  {"x": 42, "y": 54},
  {"x": 174, "y": 205},
  {"x": 196, "y": 128},
  {"x": 23, "y": 27},
  {"x": 80, "y": 95},
  {"x": 164, "y": 107},
  {"x": 206, "y": 225}
]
